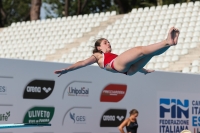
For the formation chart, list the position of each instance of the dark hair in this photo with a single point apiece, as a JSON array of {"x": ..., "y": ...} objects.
[
  {"x": 97, "y": 43},
  {"x": 133, "y": 111}
]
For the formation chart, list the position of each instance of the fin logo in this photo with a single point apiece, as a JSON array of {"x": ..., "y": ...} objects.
[{"x": 176, "y": 107}]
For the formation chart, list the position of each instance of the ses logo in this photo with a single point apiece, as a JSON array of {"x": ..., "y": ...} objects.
[
  {"x": 78, "y": 119},
  {"x": 3, "y": 90},
  {"x": 174, "y": 115},
  {"x": 39, "y": 89},
  {"x": 113, "y": 93},
  {"x": 73, "y": 91}
]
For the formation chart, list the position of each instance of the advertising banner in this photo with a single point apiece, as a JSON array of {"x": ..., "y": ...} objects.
[{"x": 92, "y": 100}]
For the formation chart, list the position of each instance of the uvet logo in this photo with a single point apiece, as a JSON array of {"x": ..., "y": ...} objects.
[{"x": 113, "y": 93}]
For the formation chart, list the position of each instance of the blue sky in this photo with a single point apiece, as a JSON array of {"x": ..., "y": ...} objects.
[{"x": 43, "y": 12}]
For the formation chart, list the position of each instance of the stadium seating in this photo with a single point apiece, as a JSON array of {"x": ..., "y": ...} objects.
[
  {"x": 37, "y": 40},
  {"x": 146, "y": 26},
  {"x": 193, "y": 68}
]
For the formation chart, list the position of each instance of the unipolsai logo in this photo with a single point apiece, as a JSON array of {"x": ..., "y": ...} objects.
[
  {"x": 3, "y": 90},
  {"x": 39, "y": 115},
  {"x": 173, "y": 114},
  {"x": 78, "y": 119},
  {"x": 5, "y": 116},
  {"x": 77, "y": 88},
  {"x": 74, "y": 91}
]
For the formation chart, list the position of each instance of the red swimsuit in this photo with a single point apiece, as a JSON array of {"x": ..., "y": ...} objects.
[{"x": 109, "y": 59}]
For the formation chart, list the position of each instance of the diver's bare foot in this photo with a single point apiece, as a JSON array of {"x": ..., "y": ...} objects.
[
  {"x": 176, "y": 33},
  {"x": 170, "y": 40}
]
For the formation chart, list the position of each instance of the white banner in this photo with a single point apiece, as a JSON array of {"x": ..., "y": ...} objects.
[{"x": 92, "y": 100}]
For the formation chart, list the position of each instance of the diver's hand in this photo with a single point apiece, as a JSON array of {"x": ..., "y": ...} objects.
[
  {"x": 149, "y": 71},
  {"x": 60, "y": 72}
]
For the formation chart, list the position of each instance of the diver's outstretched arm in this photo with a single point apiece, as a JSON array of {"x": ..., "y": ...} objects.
[{"x": 77, "y": 65}]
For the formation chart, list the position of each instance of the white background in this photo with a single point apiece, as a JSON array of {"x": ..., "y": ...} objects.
[{"x": 141, "y": 94}]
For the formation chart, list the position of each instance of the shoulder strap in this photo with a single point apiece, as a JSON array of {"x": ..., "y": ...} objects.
[{"x": 95, "y": 58}]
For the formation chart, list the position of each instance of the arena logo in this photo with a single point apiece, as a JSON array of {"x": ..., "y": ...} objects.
[
  {"x": 39, "y": 89},
  {"x": 78, "y": 119},
  {"x": 174, "y": 115},
  {"x": 113, "y": 117},
  {"x": 3, "y": 90},
  {"x": 73, "y": 91},
  {"x": 120, "y": 118},
  {"x": 5, "y": 116},
  {"x": 39, "y": 115},
  {"x": 113, "y": 93}
]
